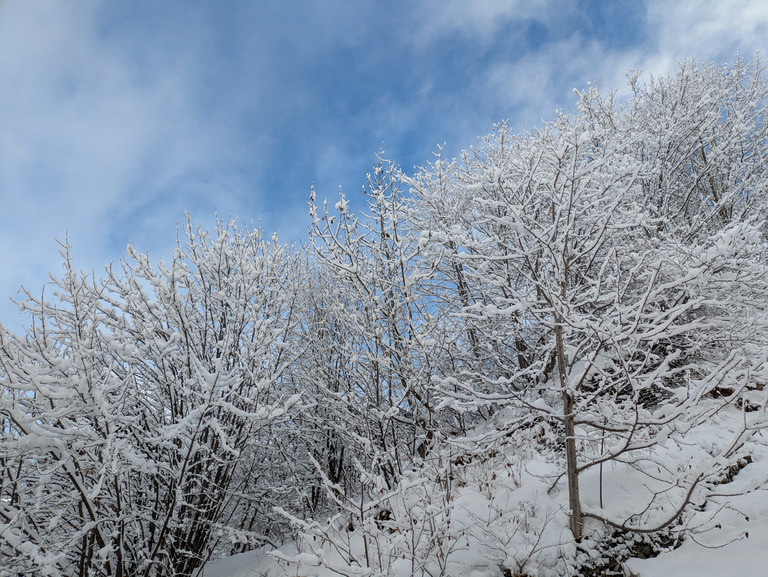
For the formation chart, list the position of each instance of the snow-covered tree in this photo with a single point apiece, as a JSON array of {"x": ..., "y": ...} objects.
[
  {"x": 587, "y": 295},
  {"x": 624, "y": 320},
  {"x": 373, "y": 331},
  {"x": 140, "y": 410}
]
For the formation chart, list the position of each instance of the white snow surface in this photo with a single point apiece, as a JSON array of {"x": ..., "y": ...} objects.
[
  {"x": 729, "y": 537},
  {"x": 736, "y": 545}
]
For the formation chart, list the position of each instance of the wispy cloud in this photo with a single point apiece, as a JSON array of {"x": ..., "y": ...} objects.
[
  {"x": 707, "y": 29},
  {"x": 98, "y": 143},
  {"x": 479, "y": 20}
]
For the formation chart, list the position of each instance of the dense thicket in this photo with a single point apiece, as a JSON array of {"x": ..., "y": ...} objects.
[{"x": 592, "y": 289}]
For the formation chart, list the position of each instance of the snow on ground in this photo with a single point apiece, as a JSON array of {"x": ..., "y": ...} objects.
[
  {"x": 519, "y": 519},
  {"x": 737, "y": 544},
  {"x": 725, "y": 552},
  {"x": 251, "y": 564}
]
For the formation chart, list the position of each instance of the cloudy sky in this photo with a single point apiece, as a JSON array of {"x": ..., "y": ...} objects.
[{"x": 117, "y": 117}]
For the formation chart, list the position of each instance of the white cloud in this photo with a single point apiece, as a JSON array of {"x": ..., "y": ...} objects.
[
  {"x": 92, "y": 132},
  {"x": 703, "y": 29},
  {"x": 707, "y": 29},
  {"x": 479, "y": 18},
  {"x": 536, "y": 86}
]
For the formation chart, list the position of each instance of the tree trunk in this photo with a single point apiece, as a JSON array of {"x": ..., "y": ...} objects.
[{"x": 571, "y": 466}]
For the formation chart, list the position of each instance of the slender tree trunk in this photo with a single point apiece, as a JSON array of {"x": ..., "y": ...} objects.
[{"x": 571, "y": 466}]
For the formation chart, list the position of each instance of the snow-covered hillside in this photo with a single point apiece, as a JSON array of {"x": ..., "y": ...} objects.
[{"x": 502, "y": 512}]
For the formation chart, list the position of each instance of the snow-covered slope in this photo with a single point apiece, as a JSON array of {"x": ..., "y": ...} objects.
[
  {"x": 501, "y": 518},
  {"x": 735, "y": 545}
]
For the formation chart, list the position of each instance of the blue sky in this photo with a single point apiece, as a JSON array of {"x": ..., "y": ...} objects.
[{"x": 117, "y": 117}]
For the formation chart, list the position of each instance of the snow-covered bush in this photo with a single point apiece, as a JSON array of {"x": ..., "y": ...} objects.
[
  {"x": 140, "y": 411},
  {"x": 457, "y": 511}
]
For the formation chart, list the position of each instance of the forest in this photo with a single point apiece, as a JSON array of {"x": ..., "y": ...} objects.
[{"x": 469, "y": 368}]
